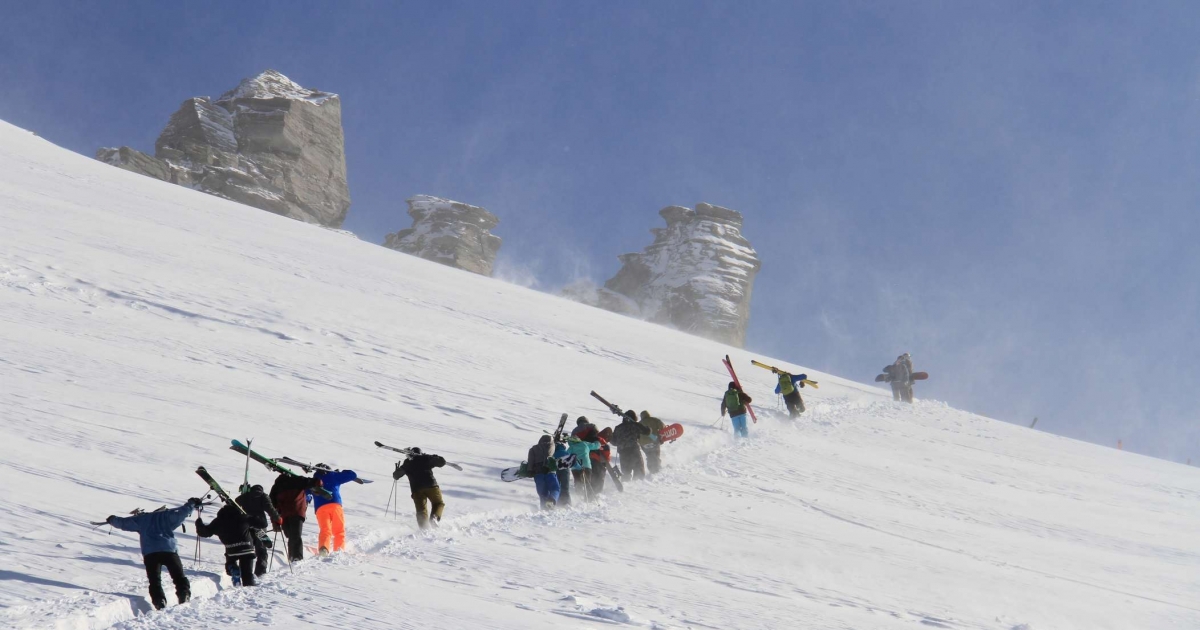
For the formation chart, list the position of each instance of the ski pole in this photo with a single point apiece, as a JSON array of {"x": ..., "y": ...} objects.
[
  {"x": 390, "y": 497},
  {"x": 274, "y": 549}
]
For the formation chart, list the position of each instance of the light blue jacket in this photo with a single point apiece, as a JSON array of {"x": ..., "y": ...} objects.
[
  {"x": 582, "y": 452},
  {"x": 156, "y": 530}
]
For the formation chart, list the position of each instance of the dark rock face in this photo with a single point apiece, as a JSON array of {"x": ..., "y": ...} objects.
[
  {"x": 269, "y": 143},
  {"x": 697, "y": 275},
  {"x": 449, "y": 232}
]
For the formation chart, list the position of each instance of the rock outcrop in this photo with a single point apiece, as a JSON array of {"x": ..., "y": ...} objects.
[
  {"x": 697, "y": 275},
  {"x": 268, "y": 143},
  {"x": 449, "y": 232}
]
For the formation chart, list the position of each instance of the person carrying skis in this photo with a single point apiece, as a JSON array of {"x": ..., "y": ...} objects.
[
  {"x": 734, "y": 402},
  {"x": 331, "y": 520},
  {"x": 418, "y": 467},
  {"x": 256, "y": 503},
  {"x": 650, "y": 443},
  {"x": 602, "y": 461},
  {"x": 290, "y": 496},
  {"x": 788, "y": 386},
  {"x": 581, "y": 470},
  {"x": 232, "y": 528},
  {"x": 627, "y": 436},
  {"x": 156, "y": 537},
  {"x": 544, "y": 469},
  {"x": 900, "y": 377},
  {"x": 564, "y": 459}
]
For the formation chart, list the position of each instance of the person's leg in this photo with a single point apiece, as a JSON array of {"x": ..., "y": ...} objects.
[
  {"x": 293, "y": 530},
  {"x": 233, "y": 570},
  {"x": 325, "y": 527},
  {"x": 564, "y": 487},
  {"x": 539, "y": 484},
  {"x": 653, "y": 461},
  {"x": 436, "y": 504},
  {"x": 739, "y": 426},
  {"x": 599, "y": 471},
  {"x": 552, "y": 489},
  {"x": 183, "y": 588},
  {"x": 337, "y": 519},
  {"x": 260, "y": 553},
  {"x": 895, "y": 391},
  {"x": 154, "y": 564},
  {"x": 246, "y": 566},
  {"x": 418, "y": 498},
  {"x": 799, "y": 403}
]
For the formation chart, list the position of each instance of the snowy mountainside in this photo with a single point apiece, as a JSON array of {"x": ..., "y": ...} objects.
[{"x": 144, "y": 325}]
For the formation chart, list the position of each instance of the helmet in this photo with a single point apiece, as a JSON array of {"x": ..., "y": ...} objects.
[
  {"x": 414, "y": 450},
  {"x": 732, "y": 385},
  {"x": 580, "y": 421},
  {"x": 645, "y": 414},
  {"x": 631, "y": 414}
]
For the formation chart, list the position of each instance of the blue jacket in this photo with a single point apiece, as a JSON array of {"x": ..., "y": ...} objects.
[
  {"x": 156, "y": 530},
  {"x": 796, "y": 381},
  {"x": 332, "y": 481}
]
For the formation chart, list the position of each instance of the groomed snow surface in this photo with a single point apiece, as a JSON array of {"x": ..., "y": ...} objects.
[{"x": 144, "y": 325}]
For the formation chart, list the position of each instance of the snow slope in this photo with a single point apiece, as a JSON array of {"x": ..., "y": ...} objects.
[{"x": 143, "y": 325}]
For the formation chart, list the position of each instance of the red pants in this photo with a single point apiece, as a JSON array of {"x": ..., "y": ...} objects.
[{"x": 332, "y": 523}]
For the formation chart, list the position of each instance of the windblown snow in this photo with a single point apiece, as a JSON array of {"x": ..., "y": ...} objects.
[{"x": 143, "y": 326}]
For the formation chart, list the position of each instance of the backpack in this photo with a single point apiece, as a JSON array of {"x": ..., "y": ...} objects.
[
  {"x": 733, "y": 400},
  {"x": 786, "y": 387}
]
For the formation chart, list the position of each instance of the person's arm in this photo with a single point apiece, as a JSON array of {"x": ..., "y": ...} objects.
[
  {"x": 271, "y": 511},
  {"x": 746, "y": 399},
  {"x": 438, "y": 461},
  {"x": 258, "y": 521},
  {"x": 401, "y": 470},
  {"x": 340, "y": 477},
  {"x": 125, "y": 523},
  {"x": 175, "y": 517},
  {"x": 723, "y": 409},
  {"x": 206, "y": 531}
]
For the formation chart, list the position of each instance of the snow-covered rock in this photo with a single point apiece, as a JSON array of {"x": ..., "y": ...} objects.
[
  {"x": 268, "y": 143},
  {"x": 696, "y": 276},
  {"x": 449, "y": 232}
]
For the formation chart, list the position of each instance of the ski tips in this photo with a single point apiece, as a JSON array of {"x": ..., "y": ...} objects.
[{"x": 378, "y": 443}]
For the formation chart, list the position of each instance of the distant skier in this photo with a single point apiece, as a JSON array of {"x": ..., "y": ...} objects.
[
  {"x": 627, "y": 436},
  {"x": 650, "y": 443},
  {"x": 331, "y": 520},
  {"x": 256, "y": 503},
  {"x": 232, "y": 528},
  {"x": 544, "y": 469},
  {"x": 156, "y": 537},
  {"x": 291, "y": 498},
  {"x": 564, "y": 459},
  {"x": 734, "y": 403},
  {"x": 418, "y": 467},
  {"x": 899, "y": 375},
  {"x": 788, "y": 386}
]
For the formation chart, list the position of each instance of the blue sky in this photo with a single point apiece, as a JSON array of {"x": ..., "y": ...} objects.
[{"x": 1006, "y": 190}]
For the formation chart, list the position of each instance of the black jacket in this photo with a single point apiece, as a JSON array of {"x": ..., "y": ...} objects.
[
  {"x": 256, "y": 503},
  {"x": 232, "y": 528},
  {"x": 627, "y": 433},
  {"x": 419, "y": 469},
  {"x": 288, "y": 494}
]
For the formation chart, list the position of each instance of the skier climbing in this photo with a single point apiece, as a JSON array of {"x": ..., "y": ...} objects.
[
  {"x": 331, "y": 520},
  {"x": 290, "y": 497},
  {"x": 581, "y": 470},
  {"x": 256, "y": 503},
  {"x": 899, "y": 375},
  {"x": 232, "y": 528},
  {"x": 650, "y": 443},
  {"x": 602, "y": 460},
  {"x": 787, "y": 386},
  {"x": 627, "y": 436},
  {"x": 734, "y": 402},
  {"x": 544, "y": 469},
  {"x": 418, "y": 467},
  {"x": 156, "y": 537},
  {"x": 564, "y": 459}
]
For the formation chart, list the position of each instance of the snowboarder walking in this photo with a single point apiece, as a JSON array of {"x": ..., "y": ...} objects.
[
  {"x": 650, "y": 443},
  {"x": 156, "y": 537},
  {"x": 232, "y": 528},
  {"x": 627, "y": 436},
  {"x": 418, "y": 467},
  {"x": 291, "y": 497},
  {"x": 256, "y": 503},
  {"x": 544, "y": 469},
  {"x": 899, "y": 375},
  {"x": 734, "y": 403},
  {"x": 788, "y": 387},
  {"x": 331, "y": 520}
]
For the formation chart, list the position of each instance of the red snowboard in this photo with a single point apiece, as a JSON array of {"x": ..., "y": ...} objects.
[
  {"x": 670, "y": 433},
  {"x": 920, "y": 376}
]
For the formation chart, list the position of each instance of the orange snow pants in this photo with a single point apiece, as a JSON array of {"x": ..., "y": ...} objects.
[{"x": 332, "y": 524}]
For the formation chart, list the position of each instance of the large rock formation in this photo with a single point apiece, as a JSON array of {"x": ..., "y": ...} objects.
[
  {"x": 268, "y": 143},
  {"x": 696, "y": 276},
  {"x": 449, "y": 232}
]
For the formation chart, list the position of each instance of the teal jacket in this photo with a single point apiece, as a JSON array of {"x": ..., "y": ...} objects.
[{"x": 582, "y": 452}]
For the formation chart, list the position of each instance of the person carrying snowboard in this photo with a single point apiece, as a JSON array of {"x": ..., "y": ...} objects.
[
  {"x": 232, "y": 528},
  {"x": 734, "y": 403},
  {"x": 256, "y": 503},
  {"x": 899, "y": 375},
  {"x": 544, "y": 469},
  {"x": 331, "y": 520},
  {"x": 418, "y": 467},
  {"x": 156, "y": 537},
  {"x": 650, "y": 443},
  {"x": 788, "y": 387},
  {"x": 290, "y": 497},
  {"x": 627, "y": 436}
]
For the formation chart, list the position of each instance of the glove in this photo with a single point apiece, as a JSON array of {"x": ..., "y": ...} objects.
[
  {"x": 277, "y": 526},
  {"x": 397, "y": 474},
  {"x": 109, "y": 519},
  {"x": 199, "y": 522}
]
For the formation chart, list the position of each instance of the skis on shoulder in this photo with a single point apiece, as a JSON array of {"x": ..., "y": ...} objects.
[
  {"x": 409, "y": 451},
  {"x": 273, "y": 465},
  {"x": 733, "y": 375},
  {"x": 309, "y": 468},
  {"x": 216, "y": 487}
]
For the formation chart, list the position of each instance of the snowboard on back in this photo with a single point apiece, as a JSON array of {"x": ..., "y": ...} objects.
[{"x": 670, "y": 433}]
